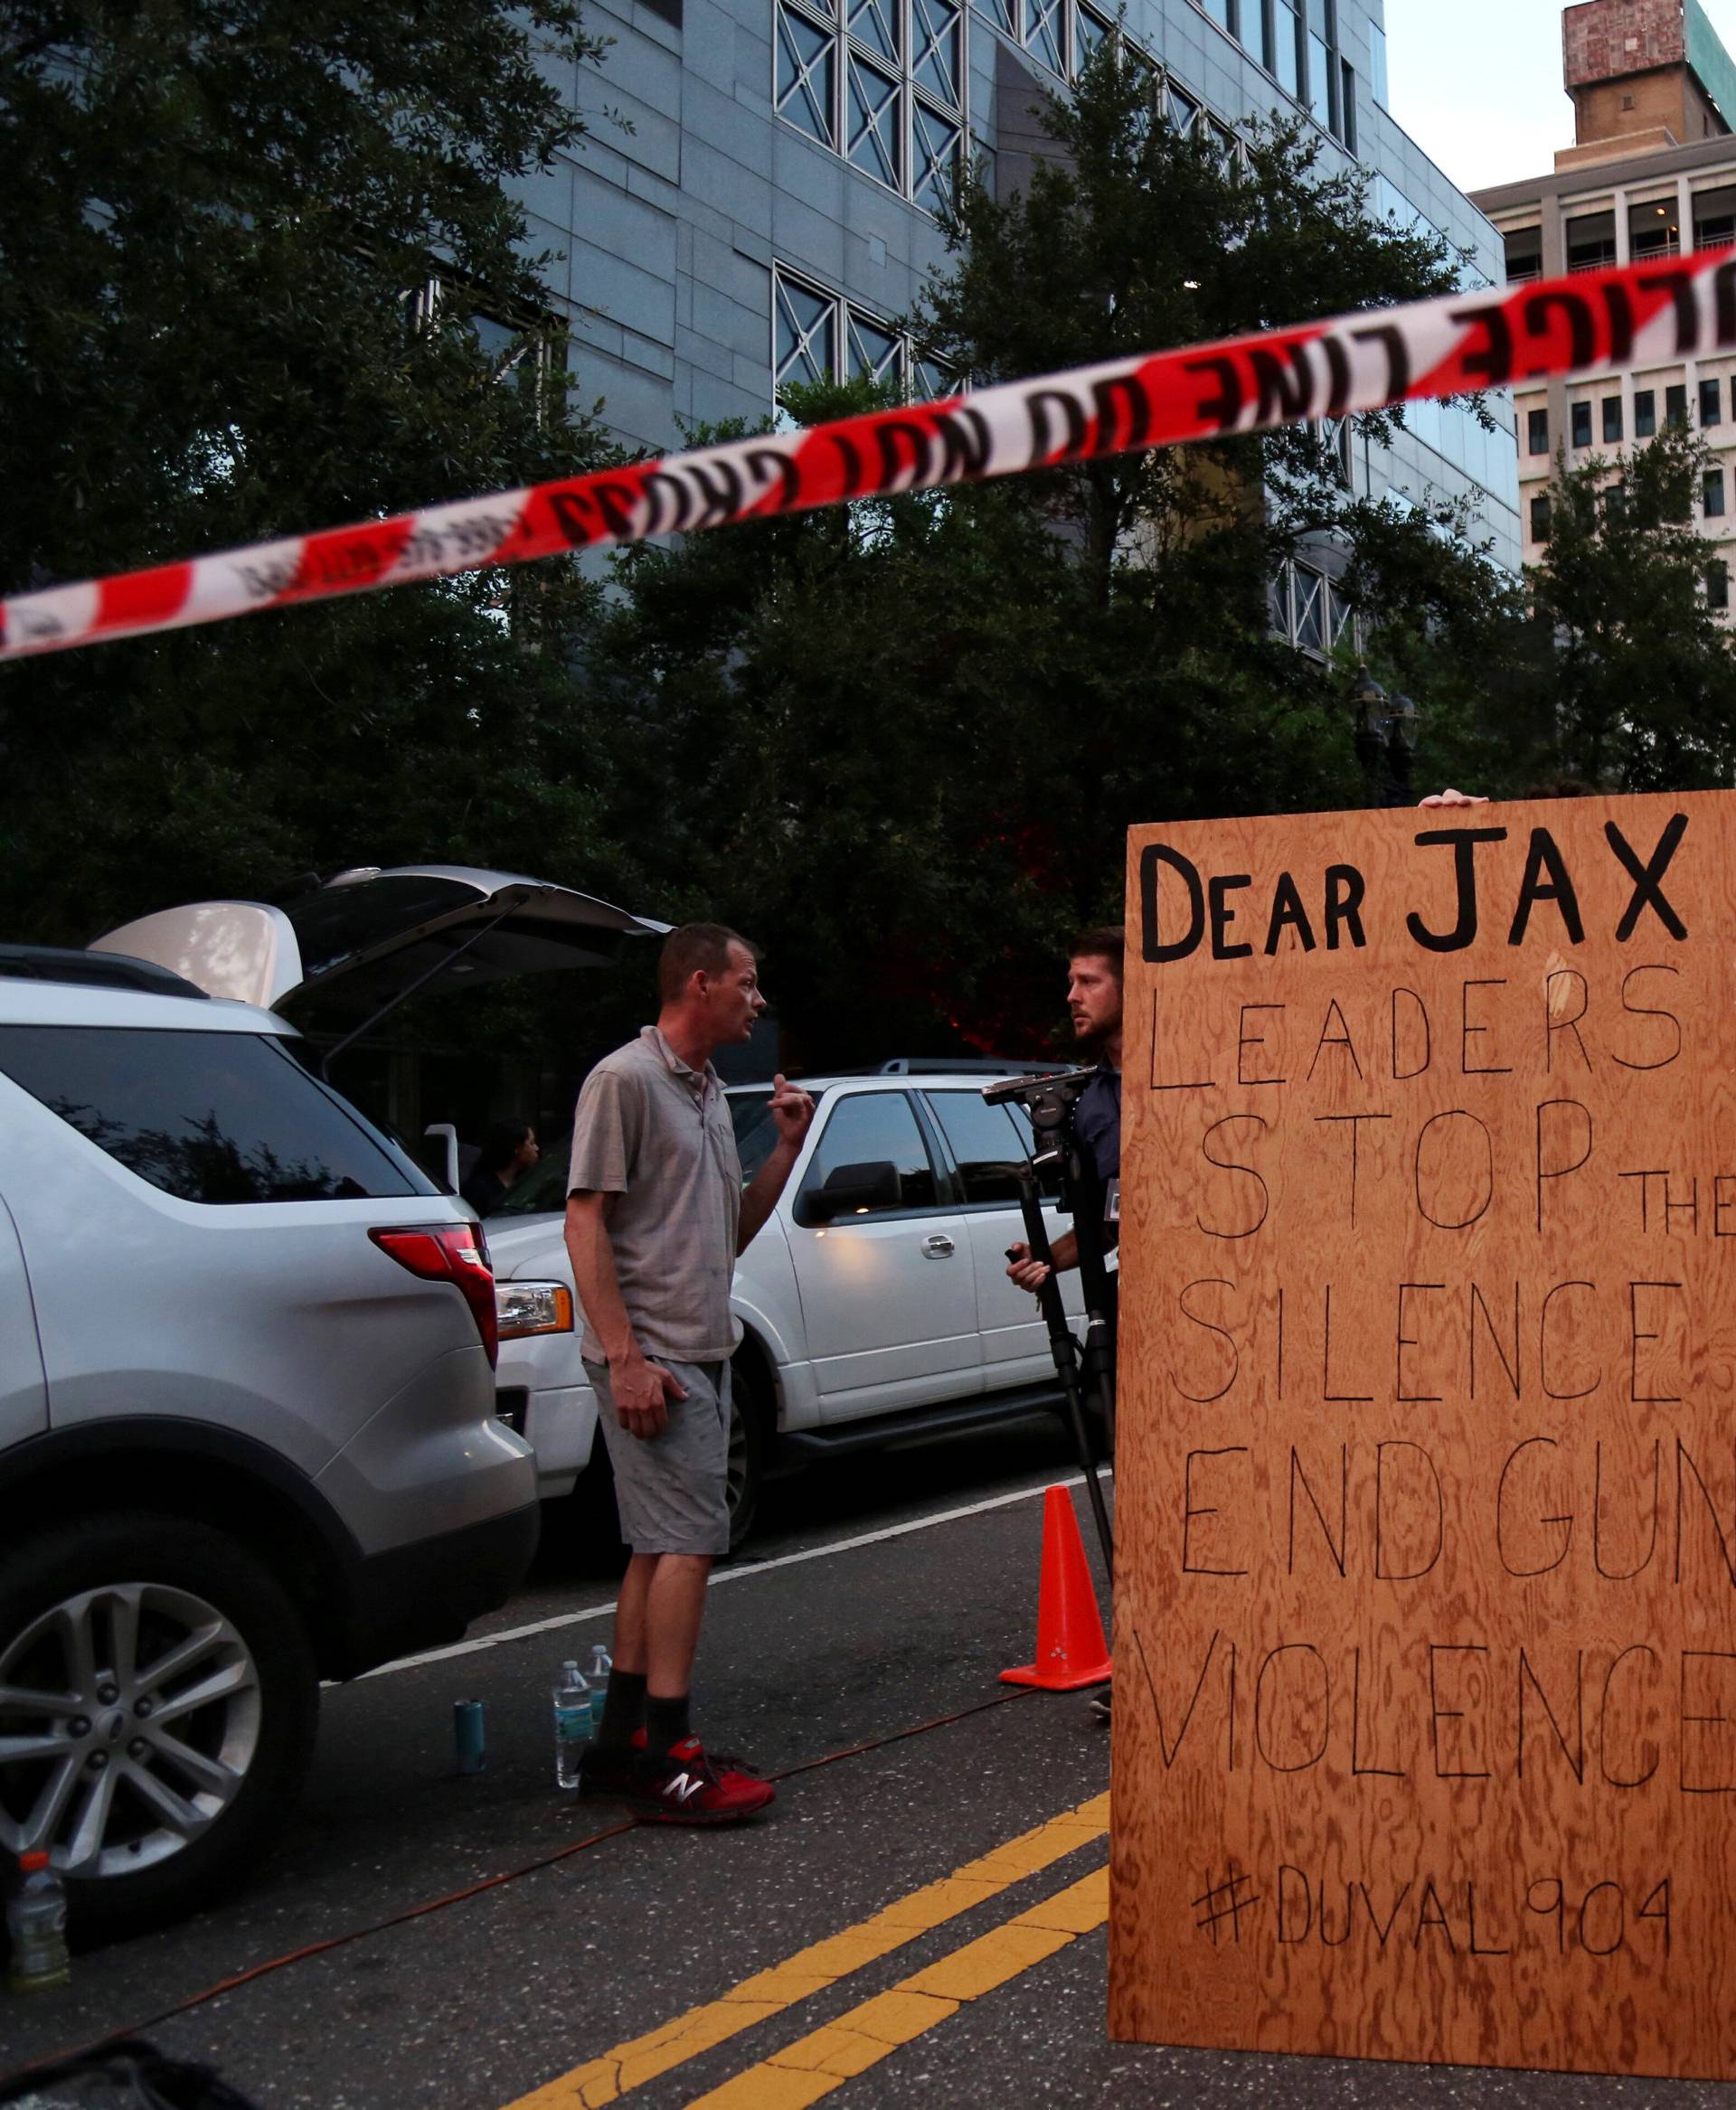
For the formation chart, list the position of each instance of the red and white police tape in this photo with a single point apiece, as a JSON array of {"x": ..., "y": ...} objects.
[{"x": 1644, "y": 314}]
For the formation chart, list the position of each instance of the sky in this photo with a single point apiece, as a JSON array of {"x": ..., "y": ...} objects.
[{"x": 1477, "y": 83}]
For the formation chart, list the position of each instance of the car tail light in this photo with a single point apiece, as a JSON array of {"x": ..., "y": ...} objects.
[{"x": 449, "y": 1252}]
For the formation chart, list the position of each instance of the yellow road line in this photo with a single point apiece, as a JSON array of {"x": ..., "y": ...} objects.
[
  {"x": 814, "y": 1969},
  {"x": 805, "y": 2071}
]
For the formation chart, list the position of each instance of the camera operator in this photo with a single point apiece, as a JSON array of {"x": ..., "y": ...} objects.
[{"x": 1094, "y": 970}]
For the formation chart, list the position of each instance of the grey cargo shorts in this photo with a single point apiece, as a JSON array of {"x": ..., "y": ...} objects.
[{"x": 673, "y": 1490}]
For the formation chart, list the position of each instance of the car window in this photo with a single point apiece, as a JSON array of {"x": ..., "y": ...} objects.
[
  {"x": 985, "y": 1146},
  {"x": 218, "y": 1117},
  {"x": 875, "y": 1128},
  {"x": 544, "y": 1187}
]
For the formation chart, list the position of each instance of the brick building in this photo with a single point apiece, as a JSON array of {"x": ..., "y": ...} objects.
[{"x": 1652, "y": 171}]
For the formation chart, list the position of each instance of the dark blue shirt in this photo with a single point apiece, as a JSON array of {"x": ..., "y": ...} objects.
[{"x": 1097, "y": 1122}]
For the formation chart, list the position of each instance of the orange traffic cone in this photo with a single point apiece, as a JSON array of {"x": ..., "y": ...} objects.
[{"x": 1071, "y": 1648}]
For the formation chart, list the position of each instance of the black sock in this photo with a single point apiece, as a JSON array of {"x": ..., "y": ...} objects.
[
  {"x": 623, "y": 1707},
  {"x": 666, "y": 1724}
]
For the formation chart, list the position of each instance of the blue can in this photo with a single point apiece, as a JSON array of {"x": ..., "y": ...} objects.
[{"x": 469, "y": 1736}]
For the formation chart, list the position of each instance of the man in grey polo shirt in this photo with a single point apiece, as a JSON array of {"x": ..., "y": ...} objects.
[{"x": 655, "y": 1217}]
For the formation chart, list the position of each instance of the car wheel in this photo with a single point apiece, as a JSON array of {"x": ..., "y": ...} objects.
[
  {"x": 158, "y": 1700},
  {"x": 750, "y": 1420}
]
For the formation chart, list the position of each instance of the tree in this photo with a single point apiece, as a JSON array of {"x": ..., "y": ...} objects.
[
  {"x": 260, "y": 273},
  {"x": 902, "y": 743},
  {"x": 1606, "y": 665}
]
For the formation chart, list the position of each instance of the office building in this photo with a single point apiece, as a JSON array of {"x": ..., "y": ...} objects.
[
  {"x": 1652, "y": 171},
  {"x": 771, "y": 206}
]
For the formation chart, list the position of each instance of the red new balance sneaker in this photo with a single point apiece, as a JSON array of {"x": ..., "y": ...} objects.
[{"x": 689, "y": 1788}]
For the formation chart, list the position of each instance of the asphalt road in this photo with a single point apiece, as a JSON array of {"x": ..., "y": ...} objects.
[{"x": 465, "y": 1944}]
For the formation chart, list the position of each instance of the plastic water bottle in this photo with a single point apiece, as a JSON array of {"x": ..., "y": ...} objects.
[
  {"x": 37, "y": 1925},
  {"x": 600, "y": 1666},
  {"x": 571, "y": 1724}
]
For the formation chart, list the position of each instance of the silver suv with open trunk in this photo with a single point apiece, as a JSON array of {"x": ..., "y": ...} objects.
[{"x": 247, "y": 1426}]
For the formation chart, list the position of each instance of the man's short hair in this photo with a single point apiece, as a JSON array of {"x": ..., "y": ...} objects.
[
  {"x": 1107, "y": 941},
  {"x": 696, "y": 948}
]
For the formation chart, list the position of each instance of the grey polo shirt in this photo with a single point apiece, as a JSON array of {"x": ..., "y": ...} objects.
[{"x": 658, "y": 1136}]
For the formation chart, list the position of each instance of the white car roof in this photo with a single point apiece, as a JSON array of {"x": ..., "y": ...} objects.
[
  {"x": 877, "y": 1081},
  {"x": 28, "y": 1002}
]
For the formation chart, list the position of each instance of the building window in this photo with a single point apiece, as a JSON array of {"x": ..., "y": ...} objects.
[
  {"x": 1525, "y": 248},
  {"x": 1712, "y": 494},
  {"x": 527, "y": 352},
  {"x": 1537, "y": 431},
  {"x": 884, "y": 85},
  {"x": 1309, "y": 611},
  {"x": 1284, "y": 47},
  {"x": 805, "y": 333},
  {"x": 1091, "y": 33},
  {"x": 1718, "y": 584},
  {"x": 1654, "y": 230},
  {"x": 1581, "y": 424},
  {"x": 1645, "y": 413},
  {"x": 1714, "y": 218},
  {"x": 1223, "y": 13},
  {"x": 1675, "y": 404},
  {"x": 1592, "y": 241},
  {"x": 817, "y": 337},
  {"x": 1540, "y": 518},
  {"x": 1711, "y": 409},
  {"x": 1321, "y": 70},
  {"x": 1611, "y": 418},
  {"x": 806, "y": 75}
]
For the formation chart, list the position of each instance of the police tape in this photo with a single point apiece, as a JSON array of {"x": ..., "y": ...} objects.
[{"x": 1645, "y": 314}]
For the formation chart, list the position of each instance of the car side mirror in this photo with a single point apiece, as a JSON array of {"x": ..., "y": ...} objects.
[{"x": 855, "y": 1190}]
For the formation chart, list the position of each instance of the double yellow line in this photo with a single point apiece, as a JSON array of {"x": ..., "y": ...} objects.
[{"x": 805, "y": 2071}]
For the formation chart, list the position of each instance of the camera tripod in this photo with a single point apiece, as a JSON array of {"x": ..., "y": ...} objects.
[{"x": 1088, "y": 1375}]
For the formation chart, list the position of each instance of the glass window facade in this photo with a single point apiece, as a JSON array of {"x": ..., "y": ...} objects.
[
  {"x": 1645, "y": 413},
  {"x": 1612, "y": 418},
  {"x": 1537, "y": 431},
  {"x": 1712, "y": 406},
  {"x": 1712, "y": 494},
  {"x": 884, "y": 85},
  {"x": 819, "y": 337},
  {"x": 1580, "y": 420}
]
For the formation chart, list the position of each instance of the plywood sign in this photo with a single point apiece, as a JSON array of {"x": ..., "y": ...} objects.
[{"x": 1425, "y": 1734}]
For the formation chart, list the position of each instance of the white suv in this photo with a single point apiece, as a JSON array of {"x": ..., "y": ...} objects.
[{"x": 875, "y": 1303}]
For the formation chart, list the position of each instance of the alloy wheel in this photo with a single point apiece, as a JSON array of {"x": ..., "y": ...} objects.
[{"x": 130, "y": 1716}]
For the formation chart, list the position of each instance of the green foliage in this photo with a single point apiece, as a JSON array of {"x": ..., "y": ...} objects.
[
  {"x": 1606, "y": 666},
  {"x": 215, "y": 216}
]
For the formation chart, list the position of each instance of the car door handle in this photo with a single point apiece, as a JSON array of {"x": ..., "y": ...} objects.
[{"x": 938, "y": 1244}]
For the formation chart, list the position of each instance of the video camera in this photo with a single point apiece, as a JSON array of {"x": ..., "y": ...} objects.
[{"x": 1086, "y": 1378}]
